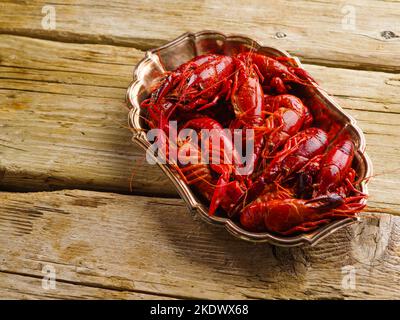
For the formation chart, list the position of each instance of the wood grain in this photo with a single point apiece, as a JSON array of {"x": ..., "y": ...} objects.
[
  {"x": 17, "y": 286},
  {"x": 131, "y": 245},
  {"x": 43, "y": 97},
  {"x": 321, "y": 32},
  {"x": 47, "y": 142},
  {"x": 64, "y": 126}
]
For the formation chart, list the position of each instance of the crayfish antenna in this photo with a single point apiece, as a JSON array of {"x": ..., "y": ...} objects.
[
  {"x": 303, "y": 74},
  {"x": 353, "y": 189},
  {"x": 284, "y": 191}
]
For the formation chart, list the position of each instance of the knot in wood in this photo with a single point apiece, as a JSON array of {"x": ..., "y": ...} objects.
[
  {"x": 280, "y": 35},
  {"x": 389, "y": 34}
]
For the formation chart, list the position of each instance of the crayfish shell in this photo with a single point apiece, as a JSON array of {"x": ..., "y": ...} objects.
[{"x": 173, "y": 54}]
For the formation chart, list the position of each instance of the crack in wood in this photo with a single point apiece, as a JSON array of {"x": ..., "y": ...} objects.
[
  {"x": 144, "y": 44},
  {"x": 98, "y": 286}
]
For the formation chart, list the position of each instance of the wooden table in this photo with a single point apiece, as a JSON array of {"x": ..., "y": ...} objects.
[{"x": 66, "y": 155}]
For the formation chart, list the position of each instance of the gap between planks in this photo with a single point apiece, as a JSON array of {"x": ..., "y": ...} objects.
[
  {"x": 19, "y": 285},
  {"x": 138, "y": 244},
  {"x": 63, "y": 124},
  {"x": 151, "y": 43},
  {"x": 313, "y": 30}
]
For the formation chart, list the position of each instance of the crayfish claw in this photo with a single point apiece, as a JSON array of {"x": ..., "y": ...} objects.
[{"x": 326, "y": 202}]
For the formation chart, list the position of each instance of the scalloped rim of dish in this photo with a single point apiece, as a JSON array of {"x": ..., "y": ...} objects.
[{"x": 188, "y": 196}]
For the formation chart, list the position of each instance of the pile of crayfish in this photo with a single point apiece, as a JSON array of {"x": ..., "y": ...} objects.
[{"x": 302, "y": 174}]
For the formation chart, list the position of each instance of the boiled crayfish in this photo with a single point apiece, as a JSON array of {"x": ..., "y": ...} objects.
[{"x": 298, "y": 176}]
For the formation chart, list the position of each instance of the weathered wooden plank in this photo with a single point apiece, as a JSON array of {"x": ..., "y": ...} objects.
[
  {"x": 323, "y": 32},
  {"x": 153, "y": 245},
  {"x": 16, "y": 286},
  {"x": 63, "y": 119},
  {"x": 64, "y": 109},
  {"x": 47, "y": 142}
]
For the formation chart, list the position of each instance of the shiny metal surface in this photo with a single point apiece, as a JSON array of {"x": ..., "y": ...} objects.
[{"x": 189, "y": 45}]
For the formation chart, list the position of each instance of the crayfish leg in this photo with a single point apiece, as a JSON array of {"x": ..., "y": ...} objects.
[
  {"x": 306, "y": 227},
  {"x": 303, "y": 74},
  {"x": 226, "y": 195}
]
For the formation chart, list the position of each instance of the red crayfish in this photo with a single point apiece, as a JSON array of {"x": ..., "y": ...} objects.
[{"x": 297, "y": 176}]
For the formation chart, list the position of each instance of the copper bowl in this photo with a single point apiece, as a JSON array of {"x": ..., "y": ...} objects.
[{"x": 189, "y": 45}]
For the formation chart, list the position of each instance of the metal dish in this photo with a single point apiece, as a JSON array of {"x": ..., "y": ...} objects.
[{"x": 189, "y": 45}]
